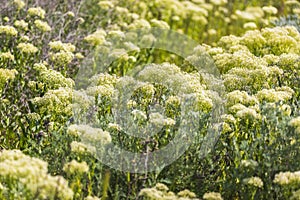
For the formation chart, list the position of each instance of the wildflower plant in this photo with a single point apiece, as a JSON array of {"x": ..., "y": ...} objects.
[{"x": 153, "y": 99}]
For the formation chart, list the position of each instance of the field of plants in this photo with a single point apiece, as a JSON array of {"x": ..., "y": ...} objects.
[{"x": 149, "y": 99}]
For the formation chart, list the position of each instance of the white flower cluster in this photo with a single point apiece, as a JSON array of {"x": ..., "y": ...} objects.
[
  {"x": 32, "y": 173},
  {"x": 180, "y": 83},
  {"x": 106, "y": 5},
  {"x": 255, "y": 61},
  {"x": 27, "y": 48},
  {"x": 96, "y": 38},
  {"x": 60, "y": 46},
  {"x": 91, "y": 198},
  {"x": 286, "y": 178},
  {"x": 89, "y": 134},
  {"x": 61, "y": 53},
  {"x": 212, "y": 196},
  {"x": 159, "y": 120},
  {"x": 36, "y": 12},
  {"x": 250, "y": 14},
  {"x": 296, "y": 195},
  {"x": 249, "y": 163},
  {"x": 275, "y": 95},
  {"x": 81, "y": 101},
  {"x": 8, "y": 30},
  {"x": 52, "y": 78},
  {"x": 19, "y": 4},
  {"x": 270, "y": 10},
  {"x": 21, "y": 24},
  {"x": 81, "y": 148},
  {"x": 57, "y": 102},
  {"x": 75, "y": 167},
  {"x": 102, "y": 85},
  {"x": 160, "y": 24},
  {"x": 241, "y": 97},
  {"x": 5, "y": 75},
  {"x": 161, "y": 192},
  {"x": 7, "y": 56},
  {"x": 42, "y": 25},
  {"x": 242, "y": 105},
  {"x": 254, "y": 181},
  {"x": 295, "y": 123}
]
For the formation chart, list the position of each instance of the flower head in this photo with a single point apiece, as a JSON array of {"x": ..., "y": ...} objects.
[
  {"x": 254, "y": 181},
  {"x": 75, "y": 167},
  {"x": 19, "y": 4},
  {"x": 21, "y": 24},
  {"x": 36, "y": 12},
  {"x": 212, "y": 196},
  {"x": 8, "y": 30},
  {"x": 27, "y": 48},
  {"x": 96, "y": 38},
  {"x": 5, "y": 75},
  {"x": 60, "y": 46},
  {"x": 106, "y": 5},
  {"x": 42, "y": 26},
  {"x": 270, "y": 10},
  {"x": 32, "y": 174},
  {"x": 286, "y": 178},
  {"x": 7, "y": 56}
]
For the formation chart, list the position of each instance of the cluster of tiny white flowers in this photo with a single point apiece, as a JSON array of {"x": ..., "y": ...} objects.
[
  {"x": 249, "y": 163},
  {"x": 103, "y": 79},
  {"x": 250, "y": 26},
  {"x": 275, "y": 95},
  {"x": 81, "y": 148},
  {"x": 106, "y": 5},
  {"x": 295, "y": 123},
  {"x": 296, "y": 195},
  {"x": 7, "y": 56},
  {"x": 90, "y": 134},
  {"x": 75, "y": 167},
  {"x": 36, "y": 12},
  {"x": 286, "y": 178},
  {"x": 42, "y": 26},
  {"x": 212, "y": 196},
  {"x": 19, "y": 4},
  {"x": 52, "y": 78},
  {"x": 139, "y": 115},
  {"x": 158, "y": 119},
  {"x": 270, "y": 10},
  {"x": 242, "y": 97},
  {"x": 21, "y": 24},
  {"x": 57, "y": 102},
  {"x": 139, "y": 24},
  {"x": 251, "y": 13},
  {"x": 33, "y": 174},
  {"x": 96, "y": 38},
  {"x": 62, "y": 57},
  {"x": 8, "y": 30},
  {"x": 254, "y": 181},
  {"x": 248, "y": 113},
  {"x": 5, "y": 75},
  {"x": 161, "y": 191},
  {"x": 159, "y": 24},
  {"x": 60, "y": 46},
  {"x": 101, "y": 90},
  {"x": 27, "y": 48},
  {"x": 91, "y": 198},
  {"x": 114, "y": 126}
]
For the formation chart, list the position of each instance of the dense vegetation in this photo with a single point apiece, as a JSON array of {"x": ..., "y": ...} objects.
[{"x": 77, "y": 77}]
